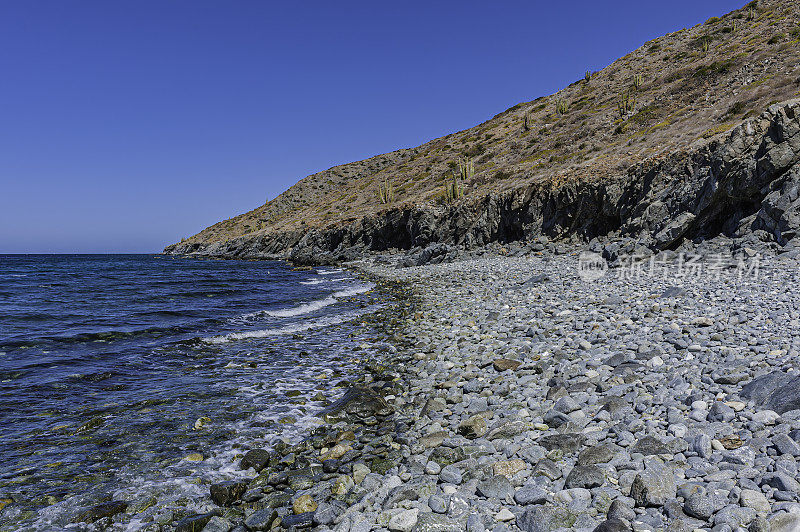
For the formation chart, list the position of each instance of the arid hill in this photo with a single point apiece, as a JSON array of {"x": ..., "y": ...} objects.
[{"x": 670, "y": 96}]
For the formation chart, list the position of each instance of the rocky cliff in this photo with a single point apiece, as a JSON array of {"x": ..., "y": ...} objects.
[{"x": 668, "y": 144}]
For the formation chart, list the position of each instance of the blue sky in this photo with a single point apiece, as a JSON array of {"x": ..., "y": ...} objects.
[{"x": 125, "y": 125}]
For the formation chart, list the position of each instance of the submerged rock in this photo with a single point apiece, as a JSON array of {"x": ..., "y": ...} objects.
[{"x": 102, "y": 510}]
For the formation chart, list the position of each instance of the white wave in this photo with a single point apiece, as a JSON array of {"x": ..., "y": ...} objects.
[
  {"x": 313, "y": 281},
  {"x": 313, "y": 306},
  {"x": 328, "y": 272},
  {"x": 350, "y": 292},
  {"x": 289, "y": 329},
  {"x": 305, "y": 308}
]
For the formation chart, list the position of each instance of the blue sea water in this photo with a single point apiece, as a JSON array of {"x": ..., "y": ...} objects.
[{"x": 116, "y": 368}]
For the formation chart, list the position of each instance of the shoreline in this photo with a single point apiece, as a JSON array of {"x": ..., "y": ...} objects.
[
  {"x": 217, "y": 512},
  {"x": 139, "y": 504},
  {"x": 519, "y": 396}
]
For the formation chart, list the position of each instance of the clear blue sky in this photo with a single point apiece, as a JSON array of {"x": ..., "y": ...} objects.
[{"x": 126, "y": 125}]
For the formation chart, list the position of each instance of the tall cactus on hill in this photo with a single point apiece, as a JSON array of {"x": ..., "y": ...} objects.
[
  {"x": 385, "y": 192},
  {"x": 626, "y": 104},
  {"x": 455, "y": 188}
]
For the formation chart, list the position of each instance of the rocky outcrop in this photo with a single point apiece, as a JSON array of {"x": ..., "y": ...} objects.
[{"x": 744, "y": 184}]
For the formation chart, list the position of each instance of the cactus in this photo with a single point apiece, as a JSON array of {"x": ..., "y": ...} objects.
[
  {"x": 455, "y": 188},
  {"x": 627, "y": 103},
  {"x": 385, "y": 192},
  {"x": 466, "y": 169},
  {"x": 751, "y": 14},
  {"x": 706, "y": 43},
  {"x": 525, "y": 125},
  {"x": 562, "y": 107},
  {"x": 587, "y": 76},
  {"x": 638, "y": 80}
]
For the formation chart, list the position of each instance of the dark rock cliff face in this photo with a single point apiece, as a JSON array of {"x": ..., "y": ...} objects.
[{"x": 744, "y": 185}]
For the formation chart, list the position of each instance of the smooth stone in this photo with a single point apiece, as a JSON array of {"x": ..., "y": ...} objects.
[
  {"x": 496, "y": 487},
  {"x": 529, "y": 494},
  {"x": 404, "y": 521}
]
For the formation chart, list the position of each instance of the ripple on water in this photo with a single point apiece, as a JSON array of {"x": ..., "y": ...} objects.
[{"x": 117, "y": 421}]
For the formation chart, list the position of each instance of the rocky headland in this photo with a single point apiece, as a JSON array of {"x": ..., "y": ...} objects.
[{"x": 739, "y": 189}]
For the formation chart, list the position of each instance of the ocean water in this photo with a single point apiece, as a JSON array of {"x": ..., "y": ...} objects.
[{"x": 117, "y": 372}]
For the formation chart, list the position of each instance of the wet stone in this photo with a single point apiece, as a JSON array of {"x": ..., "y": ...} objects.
[
  {"x": 193, "y": 523},
  {"x": 261, "y": 520},
  {"x": 303, "y": 520},
  {"x": 258, "y": 459},
  {"x": 218, "y": 524},
  {"x": 101, "y": 511},
  {"x": 227, "y": 493}
]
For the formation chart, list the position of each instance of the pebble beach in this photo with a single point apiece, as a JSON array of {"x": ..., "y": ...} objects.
[{"x": 521, "y": 395}]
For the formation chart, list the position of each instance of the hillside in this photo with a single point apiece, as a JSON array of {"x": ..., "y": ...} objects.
[{"x": 674, "y": 95}]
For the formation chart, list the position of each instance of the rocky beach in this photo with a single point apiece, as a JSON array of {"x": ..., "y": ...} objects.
[
  {"x": 524, "y": 394},
  {"x": 559, "y": 295}
]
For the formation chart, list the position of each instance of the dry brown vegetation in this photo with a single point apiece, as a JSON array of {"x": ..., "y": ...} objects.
[{"x": 684, "y": 86}]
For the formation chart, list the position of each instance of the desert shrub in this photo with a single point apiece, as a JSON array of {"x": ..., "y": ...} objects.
[
  {"x": 714, "y": 69},
  {"x": 775, "y": 39},
  {"x": 701, "y": 43},
  {"x": 736, "y": 109},
  {"x": 646, "y": 114},
  {"x": 475, "y": 150},
  {"x": 722, "y": 128}
]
